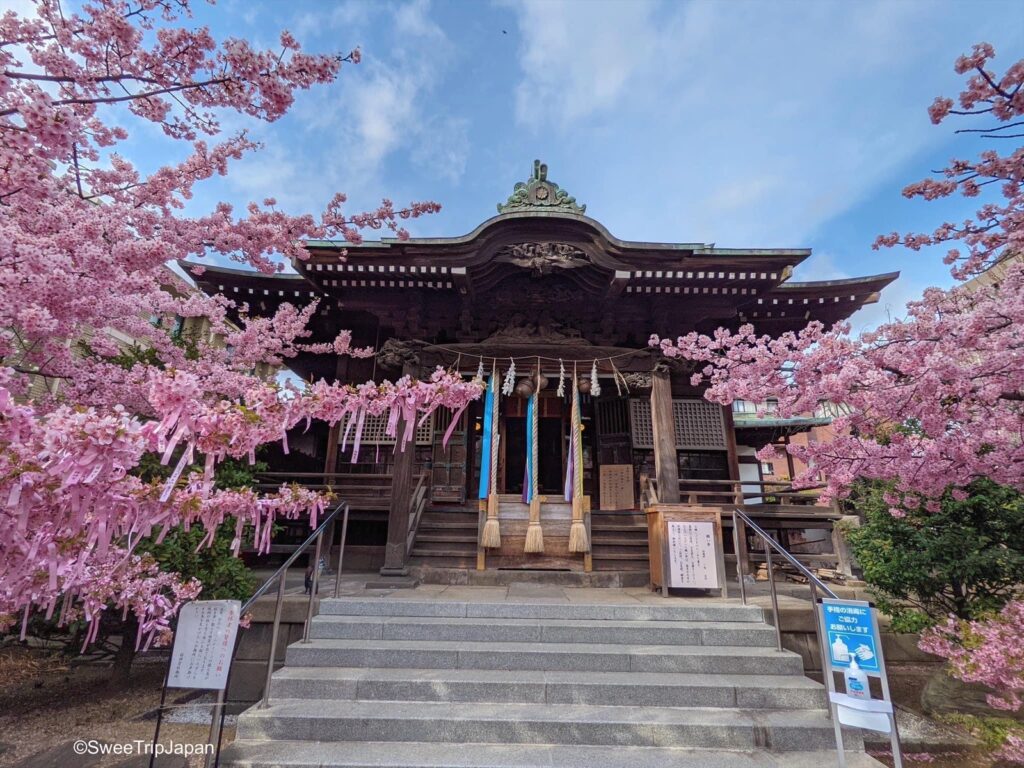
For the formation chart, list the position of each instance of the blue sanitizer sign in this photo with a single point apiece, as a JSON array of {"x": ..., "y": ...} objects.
[{"x": 850, "y": 633}]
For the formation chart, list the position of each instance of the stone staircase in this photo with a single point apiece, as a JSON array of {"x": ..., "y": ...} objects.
[{"x": 406, "y": 683}]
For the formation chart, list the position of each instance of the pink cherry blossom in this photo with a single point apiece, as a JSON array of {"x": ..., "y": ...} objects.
[
  {"x": 930, "y": 402},
  {"x": 85, "y": 240},
  {"x": 990, "y": 652}
]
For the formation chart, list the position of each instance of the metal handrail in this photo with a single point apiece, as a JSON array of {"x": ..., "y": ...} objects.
[
  {"x": 280, "y": 576},
  {"x": 803, "y": 569},
  {"x": 739, "y": 518}
]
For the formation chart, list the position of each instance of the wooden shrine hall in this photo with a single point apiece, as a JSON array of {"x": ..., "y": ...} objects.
[{"x": 545, "y": 287}]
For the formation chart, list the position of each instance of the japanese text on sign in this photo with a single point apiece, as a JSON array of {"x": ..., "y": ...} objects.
[
  {"x": 691, "y": 555},
  {"x": 203, "y": 644},
  {"x": 851, "y": 632}
]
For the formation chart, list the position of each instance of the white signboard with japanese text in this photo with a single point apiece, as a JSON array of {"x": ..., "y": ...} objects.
[
  {"x": 203, "y": 644},
  {"x": 692, "y": 555}
]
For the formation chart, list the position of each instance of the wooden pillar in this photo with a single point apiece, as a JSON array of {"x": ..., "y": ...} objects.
[
  {"x": 789, "y": 458},
  {"x": 742, "y": 556},
  {"x": 401, "y": 491},
  {"x": 840, "y": 546},
  {"x": 666, "y": 462},
  {"x": 733, "y": 456},
  {"x": 331, "y": 459}
]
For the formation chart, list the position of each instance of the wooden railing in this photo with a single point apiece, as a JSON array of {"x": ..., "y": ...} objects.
[
  {"x": 362, "y": 492},
  {"x": 748, "y": 492},
  {"x": 417, "y": 503},
  {"x": 360, "y": 489},
  {"x": 648, "y": 492},
  {"x": 790, "y": 514}
]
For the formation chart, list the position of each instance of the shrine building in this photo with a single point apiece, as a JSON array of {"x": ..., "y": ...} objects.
[{"x": 543, "y": 286}]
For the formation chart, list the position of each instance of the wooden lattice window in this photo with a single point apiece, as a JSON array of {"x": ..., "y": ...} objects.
[
  {"x": 612, "y": 417},
  {"x": 699, "y": 425},
  {"x": 374, "y": 427},
  {"x": 641, "y": 426}
]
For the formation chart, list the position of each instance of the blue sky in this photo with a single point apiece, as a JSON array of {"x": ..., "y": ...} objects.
[{"x": 746, "y": 124}]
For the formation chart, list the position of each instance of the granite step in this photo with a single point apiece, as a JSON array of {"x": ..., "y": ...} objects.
[
  {"x": 542, "y": 630},
  {"x": 359, "y": 754},
  {"x": 575, "y": 724},
  {"x": 640, "y": 689},
  {"x": 436, "y": 654},
  {"x": 696, "y": 609}
]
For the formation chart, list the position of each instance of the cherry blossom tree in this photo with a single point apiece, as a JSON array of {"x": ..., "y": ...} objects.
[
  {"x": 85, "y": 239},
  {"x": 935, "y": 400},
  {"x": 989, "y": 652}
]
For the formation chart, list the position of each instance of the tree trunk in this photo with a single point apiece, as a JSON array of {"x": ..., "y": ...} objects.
[{"x": 121, "y": 669}]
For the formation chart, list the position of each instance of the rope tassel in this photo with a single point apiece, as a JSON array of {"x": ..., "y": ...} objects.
[
  {"x": 578, "y": 541},
  {"x": 534, "y": 532},
  {"x": 490, "y": 538}
]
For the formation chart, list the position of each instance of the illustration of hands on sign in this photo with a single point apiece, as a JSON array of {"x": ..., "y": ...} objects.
[{"x": 863, "y": 653}]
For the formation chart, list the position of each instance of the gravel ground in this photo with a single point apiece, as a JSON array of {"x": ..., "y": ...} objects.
[{"x": 46, "y": 704}]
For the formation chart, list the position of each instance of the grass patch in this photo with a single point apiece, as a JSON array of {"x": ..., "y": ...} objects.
[{"x": 991, "y": 730}]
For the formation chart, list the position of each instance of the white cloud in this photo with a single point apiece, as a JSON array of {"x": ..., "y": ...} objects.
[
  {"x": 756, "y": 122},
  {"x": 442, "y": 146},
  {"x": 384, "y": 106},
  {"x": 26, "y": 8},
  {"x": 339, "y": 18},
  {"x": 340, "y": 138},
  {"x": 579, "y": 57}
]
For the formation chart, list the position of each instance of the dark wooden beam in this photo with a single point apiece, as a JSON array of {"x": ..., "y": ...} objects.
[
  {"x": 618, "y": 283},
  {"x": 460, "y": 278},
  {"x": 730, "y": 442},
  {"x": 789, "y": 457},
  {"x": 401, "y": 491},
  {"x": 666, "y": 462}
]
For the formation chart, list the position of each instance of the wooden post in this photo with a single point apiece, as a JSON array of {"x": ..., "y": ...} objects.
[
  {"x": 331, "y": 460},
  {"x": 401, "y": 490},
  {"x": 733, "y": 457},
  {"x": 666, "y": 461},
  {"x": 840, "y": 546},
  {"x": 789, "y": 459}
]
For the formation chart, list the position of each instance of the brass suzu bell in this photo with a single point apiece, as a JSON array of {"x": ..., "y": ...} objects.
[{"x": 524, "y": 388}]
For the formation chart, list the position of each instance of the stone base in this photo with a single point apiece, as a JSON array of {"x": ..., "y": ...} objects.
[
  {"x": 501, "y": 578},
  {"x": 398, "y": 581}
]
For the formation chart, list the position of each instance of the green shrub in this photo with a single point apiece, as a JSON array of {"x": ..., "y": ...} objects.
[{"x": 967, "y": 559}]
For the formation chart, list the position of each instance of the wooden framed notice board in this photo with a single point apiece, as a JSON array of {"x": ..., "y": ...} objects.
[
  {"x": 616, "y": 487},
  {"x": 686, "y": 549}
]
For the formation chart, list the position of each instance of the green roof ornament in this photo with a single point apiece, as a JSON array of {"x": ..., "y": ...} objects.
[{"x": 540, "y": 194}]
